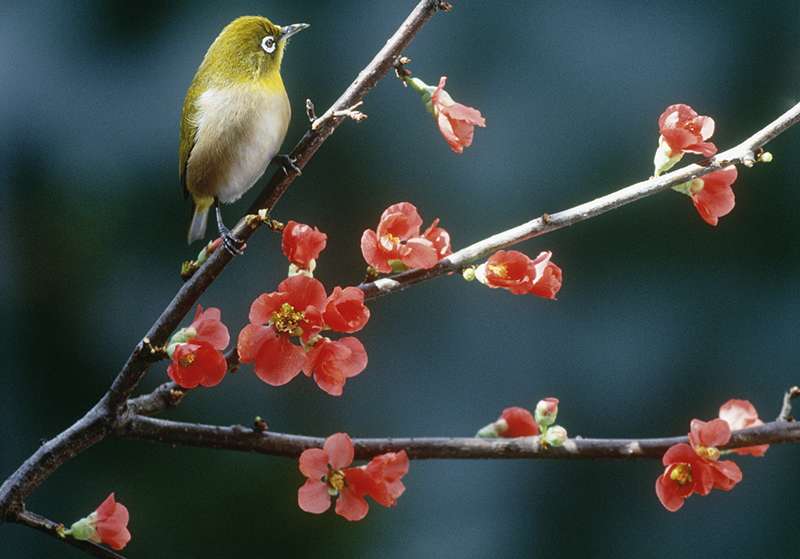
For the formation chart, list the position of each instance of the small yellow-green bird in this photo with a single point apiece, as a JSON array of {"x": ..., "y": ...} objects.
[{"x": 234, "y": 119}]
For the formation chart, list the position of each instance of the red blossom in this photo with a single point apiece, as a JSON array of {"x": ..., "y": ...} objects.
[
  {"x": 712, "y": 194},
  {"x": 196, "y": 351},
  {"x": 345, "y": 310},
  {"x": 456, "y": 122},
  {"x": 292, "y": 310},
  {"x": 111, "y": 523},
  {"x": 516, "y": 272},
  {"x": 397, "y": 241},
  {"x": 697, "y": 468},
  {"x": 328, "y": 475},
  {"x": 333, "y": 362},
  {"x": 684, "y": 131},
  {"x": 519, "y": 423},
  {"x": 197, "y": 363},
  {"x": 301, "y": 243},
  {"x": 741, "y": 414}
]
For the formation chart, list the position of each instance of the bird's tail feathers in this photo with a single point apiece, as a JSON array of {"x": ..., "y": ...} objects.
[{"x": 197, "y": 229}]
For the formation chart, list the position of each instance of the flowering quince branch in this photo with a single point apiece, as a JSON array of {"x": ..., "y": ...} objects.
[
  {"x": 109, "y": 412},
  {"x": 53, "y": 529},
  {"x": 745, "y": 153}
]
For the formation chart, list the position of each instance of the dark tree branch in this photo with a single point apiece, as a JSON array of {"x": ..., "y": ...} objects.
[
  {"x": 786, "y": 408},
  {"x": 38, "y": 522},
  {"x": 746, "y": 153},
  {"x": 100, "y": 420},
  {"x": 245, "y": 439}
]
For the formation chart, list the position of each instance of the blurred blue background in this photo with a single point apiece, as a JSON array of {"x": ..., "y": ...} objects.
[{"x": 661, "y": 318}]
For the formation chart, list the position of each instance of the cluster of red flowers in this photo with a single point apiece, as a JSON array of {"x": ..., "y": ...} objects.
[
  {"x": 300, "y": 309},
  {"x": 196, "y": 352},
  {"x": 696, "y": 467},
  {"x": 516, "y": 272},
  {"x": 330, "y": 475},
  {"x": 108, "y": 524},
  {"x": 397, "y": 245},
  {"x": 682, "y": 131}
]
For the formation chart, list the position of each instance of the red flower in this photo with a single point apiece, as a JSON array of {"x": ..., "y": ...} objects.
[
  {"x": 712, "y": 194},
  {"x": 108, "y": 524},
  {"x": 516, "y": 272},
  {"x": 333, "y": 362},
  {"x": 196, "y": 351},
  {"x": 345, "y": 310},
  {"x": 519, "y": 423},
  {"x": 327, "y": 477},
  {"x": 293, "y": 310},
  {"x": 697, "y": 468},
  {"x": 197, "y": 363},
  {"x": 301, "y": 244},
  {"x": 685, "y": 132},
  {"x": 386, "y": 471},
  {"x": 397, "y": 242},
  {"x": 740, "y": 414},
  {"x": 456, "y": 122}
]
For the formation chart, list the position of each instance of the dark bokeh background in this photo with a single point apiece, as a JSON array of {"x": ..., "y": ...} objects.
[{"x": 661, "y": 318}]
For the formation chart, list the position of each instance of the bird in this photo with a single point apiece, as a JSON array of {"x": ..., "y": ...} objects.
[{"x": 234, "y": 119}]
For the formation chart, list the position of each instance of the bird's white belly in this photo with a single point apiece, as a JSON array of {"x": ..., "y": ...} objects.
[{"x": 239, "y": 131}]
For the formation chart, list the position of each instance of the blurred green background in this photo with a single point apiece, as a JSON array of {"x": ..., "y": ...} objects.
[{"x": 661, "y": 318}]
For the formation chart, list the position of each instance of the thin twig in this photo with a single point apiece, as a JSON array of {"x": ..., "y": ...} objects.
[
  {"x": 98, "y": 422},
  {"x": 245, "y": 439},
  {"x": 38, "y": 522},
  {"x": 744, "y": 153},
  {"x": 786, "y": 408}
]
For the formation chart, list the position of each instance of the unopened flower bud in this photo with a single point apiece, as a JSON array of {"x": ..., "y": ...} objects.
[
  {"x": 493, "y": 430},
  {"x": 546, "y": 412},
  {"x": 556, "y": 435},
  {"x": 469, "y": 273}
]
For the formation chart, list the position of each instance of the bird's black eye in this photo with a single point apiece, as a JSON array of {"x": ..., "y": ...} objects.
[{"x": 268, "y": 44}]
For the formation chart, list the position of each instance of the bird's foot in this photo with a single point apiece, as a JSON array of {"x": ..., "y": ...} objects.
[
  {"x": 288, "y": 163},
  {"x": 233, "y": 244}
]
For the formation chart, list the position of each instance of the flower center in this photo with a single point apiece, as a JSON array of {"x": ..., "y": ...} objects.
[
  {"x": 286, "y": 319},
  {"x": 682, "y": 474},
  {"x": 335, "y": 482},
  {"x": 389, "y": 241},
  {"x": 498, "y": 270},
  {"x": 187, "y": 360},
  {"x": 708, "y": 452}
]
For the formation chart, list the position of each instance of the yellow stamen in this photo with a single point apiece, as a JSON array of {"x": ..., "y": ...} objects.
[
  {"x": 708, "y": 452},
  {"x": 286, "y": 319},
  {"x": 187, "y": 360},
  {"x": 498, "y": 270},
  {"x": 336, "y": 480},
  {"x": 682, "y": 474}
]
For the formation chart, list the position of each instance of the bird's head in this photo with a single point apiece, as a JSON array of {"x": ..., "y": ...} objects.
[{"x": 249, "y": 47}]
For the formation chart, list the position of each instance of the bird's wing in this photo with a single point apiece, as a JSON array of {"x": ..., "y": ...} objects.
[{"x": 188, "y": 132}]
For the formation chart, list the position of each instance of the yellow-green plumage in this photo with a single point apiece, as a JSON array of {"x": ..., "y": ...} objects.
[{"x": 235, "y": 115}]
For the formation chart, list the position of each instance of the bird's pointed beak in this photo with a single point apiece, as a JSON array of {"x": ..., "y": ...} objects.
[{"x": 289, "y": 30}]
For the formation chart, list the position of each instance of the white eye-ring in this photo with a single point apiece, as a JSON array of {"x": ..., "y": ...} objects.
[{"x": 268, "y": 44}]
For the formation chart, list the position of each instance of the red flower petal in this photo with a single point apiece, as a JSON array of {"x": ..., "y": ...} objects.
[
  {"x": 313, "y": 497},
  {"x": 209, "y": 327},
  {"x": 419, "y": 253},
  {"x": 303, "y": 292},
  {"x": 372, "y": 254},
  {"x": 726, "y": 474},
  {"x": 278, "y": 360},
  {"x": 679, "y": 454},
  {"x": 709, "y": 434},
  {"x": 741, "y": 414},
  {"x": 351, "y": 506},
  {"x": 339, "y": 449},
  {"x": 265, "y": 304},
  {"x": 333, "y": 362},
  {"x": 667, "y": 493},
  {"x": 401, "y": 219},
  {"x": 314, "y": 463},
  {"x": 440, "y": 239},
  {"x": 197, "y": 363},
  {"x": 520, "y": 423}
]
